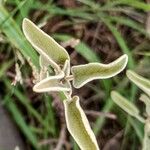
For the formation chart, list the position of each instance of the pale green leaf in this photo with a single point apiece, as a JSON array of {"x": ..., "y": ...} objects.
[
  {"x": 141, "y": 82},
  {"x": 85, "y": 73},
  {"x": 43, "y": 61},
  {"x": 78, "y": 125},
  {"x": 45, "y": 45},
  {"x": 146, "y": 140},
  {"x": 68, "y": 93},
  {"x": 126, "y": 105},
  {"x": 52, "y": 83},
  {"x": 66, "y": 68},
  {"x": 146, "y": 100}
]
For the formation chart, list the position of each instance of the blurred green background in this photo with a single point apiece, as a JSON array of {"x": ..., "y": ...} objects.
[{"x": 106, "y": 29}]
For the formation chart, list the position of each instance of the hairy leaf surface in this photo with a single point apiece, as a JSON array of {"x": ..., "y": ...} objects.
[
  {"x": 146, "y": 141},
  {"x": 146, "y": 100},
  {"x": 78, "y": 125},
  {"x": 125, "y": 104},
  {"x": 85, "y": 73},
  {"x": 140, "y": 81},
  {"x": 44, "y": 44},
  {"x": 52, "y": 83}
]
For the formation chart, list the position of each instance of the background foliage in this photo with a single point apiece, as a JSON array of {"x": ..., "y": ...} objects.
[{"x": 106, "y": 29}]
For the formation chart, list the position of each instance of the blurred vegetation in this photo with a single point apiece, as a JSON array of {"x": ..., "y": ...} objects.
[{"x": 106, "y": 29}]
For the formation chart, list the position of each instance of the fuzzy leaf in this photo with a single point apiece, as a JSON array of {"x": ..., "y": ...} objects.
[
  {"x": 85, "y": 73},
  {"x": 146, "y": 141},
  {"x": 44, "y": 44},
  {"x": 146, "y": 100},
  {"x": 140, "y": 81},
  {"x": 66, "y": 68},
  {"x": 78, "y": 125},
  {"x": 52, "y": 83},
  {"x": 125, "y": 104},
  {"x": 43, "y": 61}
]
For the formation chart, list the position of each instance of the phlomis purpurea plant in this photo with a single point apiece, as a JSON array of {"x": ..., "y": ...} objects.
[
  {"x": 131, "y": 109},
  {"x": 53, "y": 55}
]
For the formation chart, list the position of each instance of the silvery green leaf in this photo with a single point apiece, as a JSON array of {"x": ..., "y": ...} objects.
[
  {"x": 78, "y": 125},
  {"x": 43, "y": 67},
  {"x": 43, "y": 61},
  {"x": 146, "y": 141},
  {"x": 140, "y": 81},
  {"x": 85, "y": 73},
  {"x": 44, "y": 44},
  {"x": 126, "y": 105},
  {"x": 43, "y": 73},
  {"x": 68, "y": 93},
  {"x": 66, "y": 68},
  {"x": 52, "y": 83},
  {"x": 146, "y": 100}
]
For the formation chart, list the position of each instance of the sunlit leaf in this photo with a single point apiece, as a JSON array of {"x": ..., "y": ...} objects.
[
  {"x": 126, "y": 105},
  {"x": 44, "y": 44},
  {"x": 52, "y": 83},
  {"x": 43, "y": 61},
  {"x": 78, "y": 125},
  {"x": 140, "y": 81},
  {"x": 146, "y": 141},
  {"x": 146, "y": 100},
  {"x": 85, "y": 73},
  {"x": 66, "y": 68}
]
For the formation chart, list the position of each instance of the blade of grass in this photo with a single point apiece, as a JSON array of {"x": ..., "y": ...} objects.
[
  {"x": 25, "y": 101},
  {"x": 128, "y": 22},
  {"x": 50, "y": 116},
  {"x": 138, "y": 127},
  {"x": 18, "y": 117},
  {"x": 4, "y": 66},
  {"x": 9, "y": 27},
  {"x": 101, "y": 120},
  {"x": 133, "y": 3}
]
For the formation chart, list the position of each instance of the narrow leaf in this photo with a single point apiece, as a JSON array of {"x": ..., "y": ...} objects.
[
  {"x": 126, "y": 105},
  {"x": 78, "y": 125},
  {"x": 85, "y": 73},
  {"x": 43, "y": 61},
  {"x": 11, "y": 29},
  {"x": 146, "y": 100},
  {"x": 43, "y": 67},
  {"x": 140, "y": 81},
  {"x": 44, "y": 44},
  {"x": 52, "y": 83},
  {"x": 66, "y": 68},
  {"x": 146, "y": 141}
]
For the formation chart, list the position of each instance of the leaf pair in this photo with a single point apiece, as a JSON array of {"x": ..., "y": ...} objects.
[
  {"x": 143, "y": 84},
  {"x": 131, "y": 109}
]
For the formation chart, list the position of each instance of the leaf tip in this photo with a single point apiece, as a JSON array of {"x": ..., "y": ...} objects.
[
  {"x": 25, "y": 22},
  {"x": 129, "y": 73},
  {"x": 125, "y": 58},
  {"x": 113, "y": 94}
]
